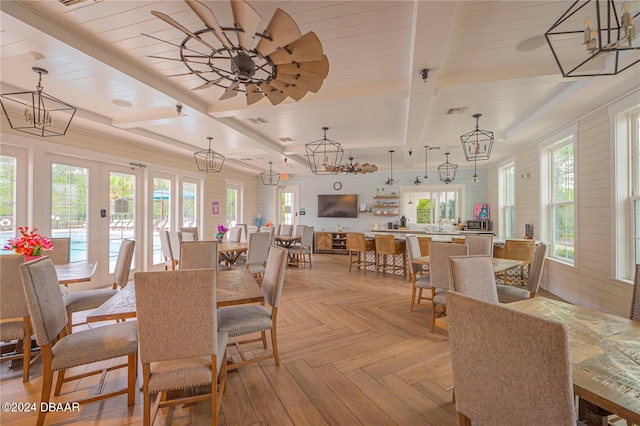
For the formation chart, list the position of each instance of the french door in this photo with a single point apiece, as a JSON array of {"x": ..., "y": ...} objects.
[{"x": 287, "y": 205}]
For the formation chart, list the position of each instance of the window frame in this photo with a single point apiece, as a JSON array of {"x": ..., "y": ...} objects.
[
  {"x": 503, "y": 204},
  {"x": 238, "y": 186},
  {"x": 21, "y": 216}
]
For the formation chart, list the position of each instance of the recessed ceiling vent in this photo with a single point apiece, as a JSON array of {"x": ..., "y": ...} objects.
[
  {"x": 72, "y": 4},
  {"x": 258, "y": 120},
  {"x": 452, "y": 111},
  {"x": 287, "y": 139}
]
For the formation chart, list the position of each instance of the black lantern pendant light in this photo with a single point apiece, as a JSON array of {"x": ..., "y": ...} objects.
[
  {"x": 324, "y": 155},
  {"x": 270, "y": 178},
  {"x": 477, "y": 144},
  {"x": 209, "y": 161},
  {"x": 427, "y": 148},
  {"x": 390, "y": 179},
  {"x": 37, "y": 113},
  {"x": 447, "y": 171}
]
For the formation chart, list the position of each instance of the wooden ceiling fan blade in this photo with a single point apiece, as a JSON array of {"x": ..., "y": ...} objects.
[
  {"x": 307, "y": 69},
  {"x": 306, "y": 48},
  {"x": 208, "y": 84},
  {"x": 253, "y": 94},
  {"x": 209, "y": 19},
  {"x": 274, "y": 95},
  {"x": 293, "y": 92},
  {"x": 169, "y": 20},
  {"x": 282, "y": 30},
  {"x": 246, "y": 18},
  {"x": 230, "y": 92},
  {"x": 312, "y": 84}
]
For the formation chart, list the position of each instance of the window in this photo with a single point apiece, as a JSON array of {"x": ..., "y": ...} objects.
[
  {"x": 69, "y": 205},
  {"x": 122, "y": 205},
  {"x": 234, "y": 203},
  {"x": 561, "y": 200},
  {"x": 507, "y": 213},
  {"x": 189, "y": 204},
  {"x": 8, "y": 168},
  {"x": 161, "y": 214},
  {"x": 428, "y": 207},
  {"x": 625, "y": 210}
]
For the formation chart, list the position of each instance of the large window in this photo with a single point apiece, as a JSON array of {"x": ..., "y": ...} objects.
[
  {"x": 122, "y": 205},
  {"x": 69, "y": 204},
  {"x": 161, "y": 214},
  {"x": 8, "y": 168},
  {"x": 234, "y": 203},
  {"x": 561, "y": 201},
  {"x": 189, "y": 204},
  {"x": 430, "y": 207},
  {"x": 507, "y": 202}
]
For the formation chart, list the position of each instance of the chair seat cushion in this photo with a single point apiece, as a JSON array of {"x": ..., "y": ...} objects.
[
  {"x": 256, "y": 268},
  {"x": 12, "y": 330},
  {"x": 96, "y": 344},
  {"x": 509, "y": 293},
  {"x": 239, "y": 320},
  {"x": 439, "y": 296},
  {"x": 87, "y": 299},
  {"x": 186, "y": 373},
  {"x": 423, "y": 281}
]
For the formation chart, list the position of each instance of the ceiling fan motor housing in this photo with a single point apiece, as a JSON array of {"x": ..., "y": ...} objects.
[{"x": 243, "y": 66}]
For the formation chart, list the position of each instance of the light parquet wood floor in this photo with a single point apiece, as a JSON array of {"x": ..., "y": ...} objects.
[{"x": 351, "y": 353}]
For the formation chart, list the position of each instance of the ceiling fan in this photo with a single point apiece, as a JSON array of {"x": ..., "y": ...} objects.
[{"x": 277, "y": 63}]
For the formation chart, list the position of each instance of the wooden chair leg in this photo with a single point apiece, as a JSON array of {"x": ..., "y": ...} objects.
[
  {"x": 47, "y": 381},
  {"x": 464, "y": 420},
  {"x": 264, "y": 339},
  {"x": 146, "y": 416},
  {"x": 26, "y": 348},
  {"x": 59, "y": 382},
  {"x": 350, "y": 260},
  {"x": 132, "y": 373},
  {"x": 274, "y": 344},
  {"x": 413, "y": 296}
]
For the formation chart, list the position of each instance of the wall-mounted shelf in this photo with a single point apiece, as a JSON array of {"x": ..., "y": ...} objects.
[{"x": 381, "y": 208}]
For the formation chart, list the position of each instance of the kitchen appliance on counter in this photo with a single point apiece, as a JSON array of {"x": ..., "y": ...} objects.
[{"x": 478, "y": 225}]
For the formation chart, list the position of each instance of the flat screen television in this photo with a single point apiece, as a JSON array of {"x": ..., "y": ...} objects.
[{"x": 338, "y": 205}]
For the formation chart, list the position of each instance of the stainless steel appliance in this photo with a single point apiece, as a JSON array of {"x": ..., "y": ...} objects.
[{"x": 478, "y": 225}]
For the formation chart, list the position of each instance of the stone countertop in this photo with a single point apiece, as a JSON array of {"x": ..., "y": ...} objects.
[{"x": 426, "y": 232}]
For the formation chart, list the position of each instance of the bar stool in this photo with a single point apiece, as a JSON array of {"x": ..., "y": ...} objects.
[
  {"x": 386, "y": 245},
  {"x": 358, "y": 245},
  {"x": 519, "y": 250}
]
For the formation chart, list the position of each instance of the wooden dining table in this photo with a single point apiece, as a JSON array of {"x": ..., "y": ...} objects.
[
  {"x": 499, "y": 264},
  {"x": 231, "y": 251},
  {"x": 233, "y": 287},
  {"x": 604, "y": 354},
  {"x": 286, "y": 241},
  {"x": 75, "y": 272}
]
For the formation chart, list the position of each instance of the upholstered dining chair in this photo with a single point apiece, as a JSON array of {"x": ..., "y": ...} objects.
[
  {"x": 359, "y": 246},
  {"x": 420, "y": 282},
  {"x": 235, "y": 234},
  {"x": 248, "y": 319},
  {"x": 191, "y": 230},
  {"x": 61, "y": 351},
  {"x": 174, "y": 243},
  {"x": 473, "y": 276},
  {"x": 510, "y": 293},
  {"x": 386, "y": 245},
  {"x": 244, "y": 237},
  {"x": 257, "y": 253},
  {"x": 297, "y": 232},
  {"x": 286, "y": 230},
  {"x": 492, "y": 389},
  {"x": 14, "y": 313},
  {"x": 199, "y": 255},
  {"x": 480, "y": 245},
  {"x": 165, "y": 244},
  {"x": 90, "y": 299},
  {"x": 301, "y": 254},
  {"x": 439, "y": 254},
  {"x": 635, "y": 299},
  {"x": 61, "y": 251},
  {"x": 186, "y": 236},
  {"x": 180, "y": 345}
]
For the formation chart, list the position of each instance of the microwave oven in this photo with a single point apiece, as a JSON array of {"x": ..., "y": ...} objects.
[{"x": 478, "y": 225}]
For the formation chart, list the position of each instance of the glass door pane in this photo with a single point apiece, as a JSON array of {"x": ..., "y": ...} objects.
[
  {"x": 189, "y": 204},
  {"x": 69, "y": 205},
  {"x": 122, "y": 214},
  {"x": 161, "y": 214}
]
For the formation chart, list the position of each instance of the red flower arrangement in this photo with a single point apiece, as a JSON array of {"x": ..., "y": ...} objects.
[{"x": 30, "y": 243}]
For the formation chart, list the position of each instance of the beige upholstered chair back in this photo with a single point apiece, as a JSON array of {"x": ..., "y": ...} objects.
[
  {"x": 176, "y": 324},
  {"x": 165, "y": 244},
  {"x": 273, "y": 279},
  {"x": 12, "y": 301},
  {"x": 187, "y": 236},
  {"x": 123, "y": 263},
  {"x": 473, "y": 276},
  {"x": 306, "y": 242},
  {"x": 535, "y": 271},
  {"x": 244, "y": 237},
  {"x": 635, "y": 300},
  {"x": 44, "y": 299},
  {"x": 258, "y": 248},
  {"x": 492, "y": 389},
  {"x": 286, "y": 230},
  {"x": 174, "y": 242},
  {"x": 413, "y": 251},
  {"x": 190, "y": 230},
  {"x": 424, "y": 245},
  {"x": 235, "y": 234},
  {"x": 298, "y": 231},
  {"x": 519, "y": 250},
  {"x": 198, "y": 255},
  {"x": 272, "y": 231},
  {"x": 480, "y": 245},
  {"x": 61, "y": 251},
  {"x": 439, "y": 254}
]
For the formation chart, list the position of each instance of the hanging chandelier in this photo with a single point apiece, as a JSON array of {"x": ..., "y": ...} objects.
[
  {"x": 602, "y": 46},
  {"x": 358, "y": 168},
  {"x": 324, "y": 155},
  {"x": 390, "y": 179},
  {"x": 209, "y": 161},
  {"x": 37, "y": 113},
  {"x": 427, "y": 148},
  {"x": 477, "y": 144},
  {"x": 270, "y": 178},
  {"x": 275, "y": 63},
  {"x": 447, "y": 171}
]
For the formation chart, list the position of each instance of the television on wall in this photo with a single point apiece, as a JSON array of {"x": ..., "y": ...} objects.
[{"x": 338, "y": 205}]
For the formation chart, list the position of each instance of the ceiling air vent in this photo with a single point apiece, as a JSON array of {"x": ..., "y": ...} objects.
[
  {"x": 287, "y": 139},
  {"x": 258, "y": 120},
  {"x": 72, "y": 4},
  {"x": 452, "y": 111}
]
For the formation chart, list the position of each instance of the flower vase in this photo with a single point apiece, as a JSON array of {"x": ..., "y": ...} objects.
[
  {"x": 219, "y": 239},
  {"x": 30, "y": 258}
]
